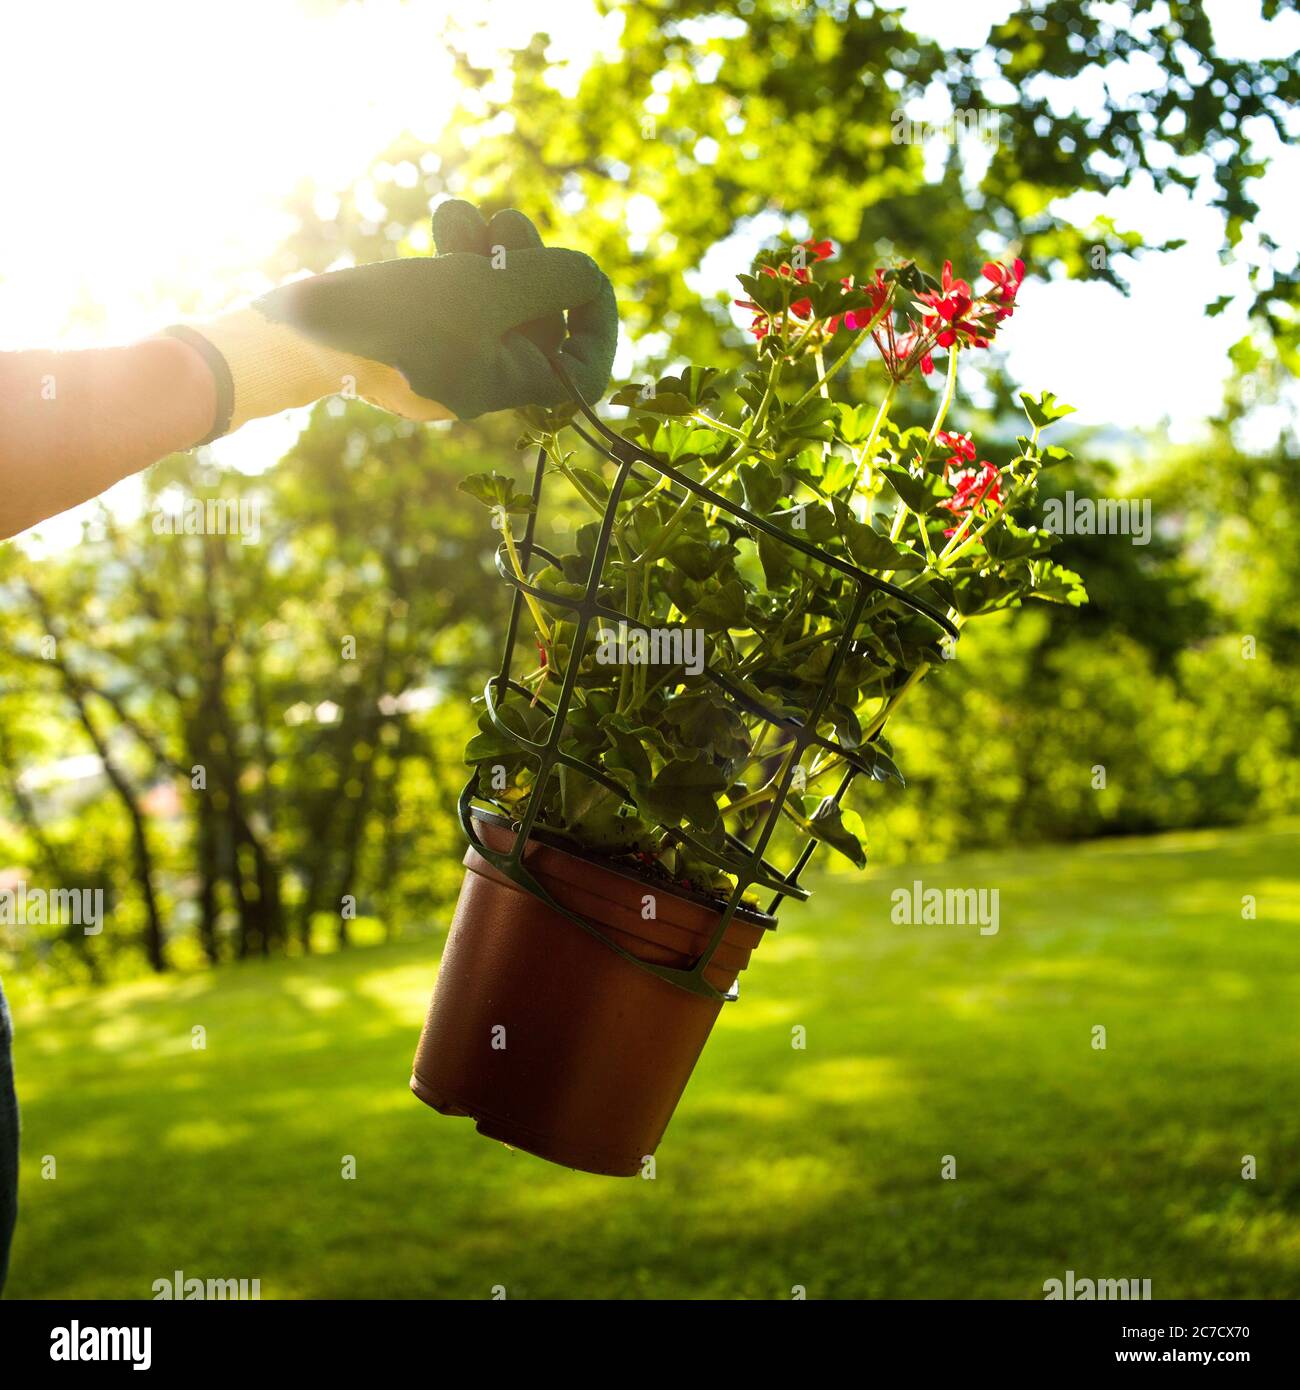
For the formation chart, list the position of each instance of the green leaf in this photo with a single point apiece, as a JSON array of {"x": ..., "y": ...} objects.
[
  {"x": 628, "y": 761},
  {"x": 699, "y": 559},
  {"x": 678, "y": 441},
  {"x": 529, "y": 721},
  {"x": 592, "y": 481},
  {"x": 653, "y": 402},
  {"x": 778, "y": 560},
  {"x": 1045, "y": 409},
  {"x": 921, "y": 494},
  {"x": 978, "y": 592},
  {"x": 815, "y": 665},
  {"x": 1007, "y": 541},
  {"x": 868, "y": 548},
  {"x": 807, "y": 521},
  {"x": 670, "y": 395},
  {"x": 684, "y": 790},
  {"x": 814, "y": 419},
  {"x": 825, "y": 473},
  {"x": 1054, "y": 583},
  {"x": 553, "y": 582},
  {"x": 607, "y": 823},
  {"x": 719, "y": 608},
  {"x": 1055, "y": 455},
  {"x": 764, "y": 290},
  {"x": 841, "y": 829},
  {"x": 855, "y": 422},
  {"x": 703, "y": 720},
  {"x": 496, "y": 490},
  {"x": 762, "y": 487},
  {"x": 883, "y": 767}
]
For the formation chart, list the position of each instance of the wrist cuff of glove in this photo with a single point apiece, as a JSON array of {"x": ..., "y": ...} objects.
[{"x": 261, "y": 367}]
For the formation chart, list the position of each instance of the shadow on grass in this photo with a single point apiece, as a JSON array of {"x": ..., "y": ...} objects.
[{"x": 818, "y": 1166}]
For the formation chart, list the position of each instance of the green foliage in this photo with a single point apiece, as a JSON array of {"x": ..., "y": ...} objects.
[
  {"x": 276, "y": 713},
  {"x": 799, "y": 112},
  {"x": 715, "y": 607},
  {"x": 495, "y": 490},
  {"x": 1045, "y": 410}
]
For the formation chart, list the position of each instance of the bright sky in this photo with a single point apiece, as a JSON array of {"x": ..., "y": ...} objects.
[{"x": 149, "y": 146}]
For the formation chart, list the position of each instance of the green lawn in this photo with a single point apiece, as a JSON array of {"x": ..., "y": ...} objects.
[{"x": 817, "y": 1167}]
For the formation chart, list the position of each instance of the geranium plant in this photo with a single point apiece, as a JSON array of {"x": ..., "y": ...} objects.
[
  {"x": 742, "y": 584},
  {"x": 724, "y": 619}
]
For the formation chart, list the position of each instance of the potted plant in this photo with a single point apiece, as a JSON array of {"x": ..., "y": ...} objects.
[{"x": 695, "y": 672}]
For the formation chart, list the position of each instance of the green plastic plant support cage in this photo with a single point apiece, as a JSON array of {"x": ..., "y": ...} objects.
[{"x": 746, "y": 862}]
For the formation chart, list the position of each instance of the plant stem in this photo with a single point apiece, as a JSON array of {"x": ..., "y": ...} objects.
[
  {"x": 764, "y": 793},
  {"x": 708, "y": 421},
  {"x": 890, "y": 705},
  {"x": 868, "y": 456},
  {"x": 821, "y": 381},
  {"x": 950, "y": 387},
  {"x": 579, "y": 486},
  {"x": 661, "y": 542},
  {"x": 949, "y": 390},
  {"x": 845, "y": 355},
  {"x": 539, "y": 619}
]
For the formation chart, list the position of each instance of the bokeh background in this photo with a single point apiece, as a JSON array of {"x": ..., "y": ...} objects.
[{"x": 1126, "y": 774}]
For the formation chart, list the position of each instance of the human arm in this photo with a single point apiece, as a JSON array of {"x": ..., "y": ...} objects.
[
  {"x": 452, "y": 336},
  {"x": 75, "y": 423}
]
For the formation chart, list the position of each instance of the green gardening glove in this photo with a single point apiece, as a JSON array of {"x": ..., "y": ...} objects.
[{"x": 451, "y": 336}]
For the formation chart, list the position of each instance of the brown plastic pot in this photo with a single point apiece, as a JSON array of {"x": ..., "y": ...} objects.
[{"x": 547, "y": 1038}]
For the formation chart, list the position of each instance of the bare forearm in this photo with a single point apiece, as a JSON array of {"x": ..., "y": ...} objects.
[
  {"x": 74, "y": 423},
  {"x": 453, "y": 336}
]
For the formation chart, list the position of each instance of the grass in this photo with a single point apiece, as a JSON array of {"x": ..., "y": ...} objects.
[{"x": 818, "y": 1167}]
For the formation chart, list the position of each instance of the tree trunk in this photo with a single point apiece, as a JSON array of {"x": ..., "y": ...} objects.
[{"x": 141, "y": 853}]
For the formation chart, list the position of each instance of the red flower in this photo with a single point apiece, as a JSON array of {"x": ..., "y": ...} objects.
[
  {"x": 951, "y": 286},
  {"x": 802, "y": 274},
  {"x": 1006, "y": 283},
  {"x": 879, "y": 292},
  {"x": 761, "y": 325},
  {"x": 833, "y": 323},
  {"x": 974, "y": 486},
  {"x": 962, "y": 446},
  {"x": 821, "y": 250},
  {"x": 946, "y": 310}
]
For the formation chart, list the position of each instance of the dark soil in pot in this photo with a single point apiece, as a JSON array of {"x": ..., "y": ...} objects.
[{"x": 551, "y": 1041}]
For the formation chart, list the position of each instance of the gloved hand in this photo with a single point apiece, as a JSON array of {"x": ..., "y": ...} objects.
[{"x": 451, "y": 336}]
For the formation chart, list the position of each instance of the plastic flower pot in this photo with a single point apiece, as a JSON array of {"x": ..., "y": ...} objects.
[{"x": 549, "y": 1039}]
